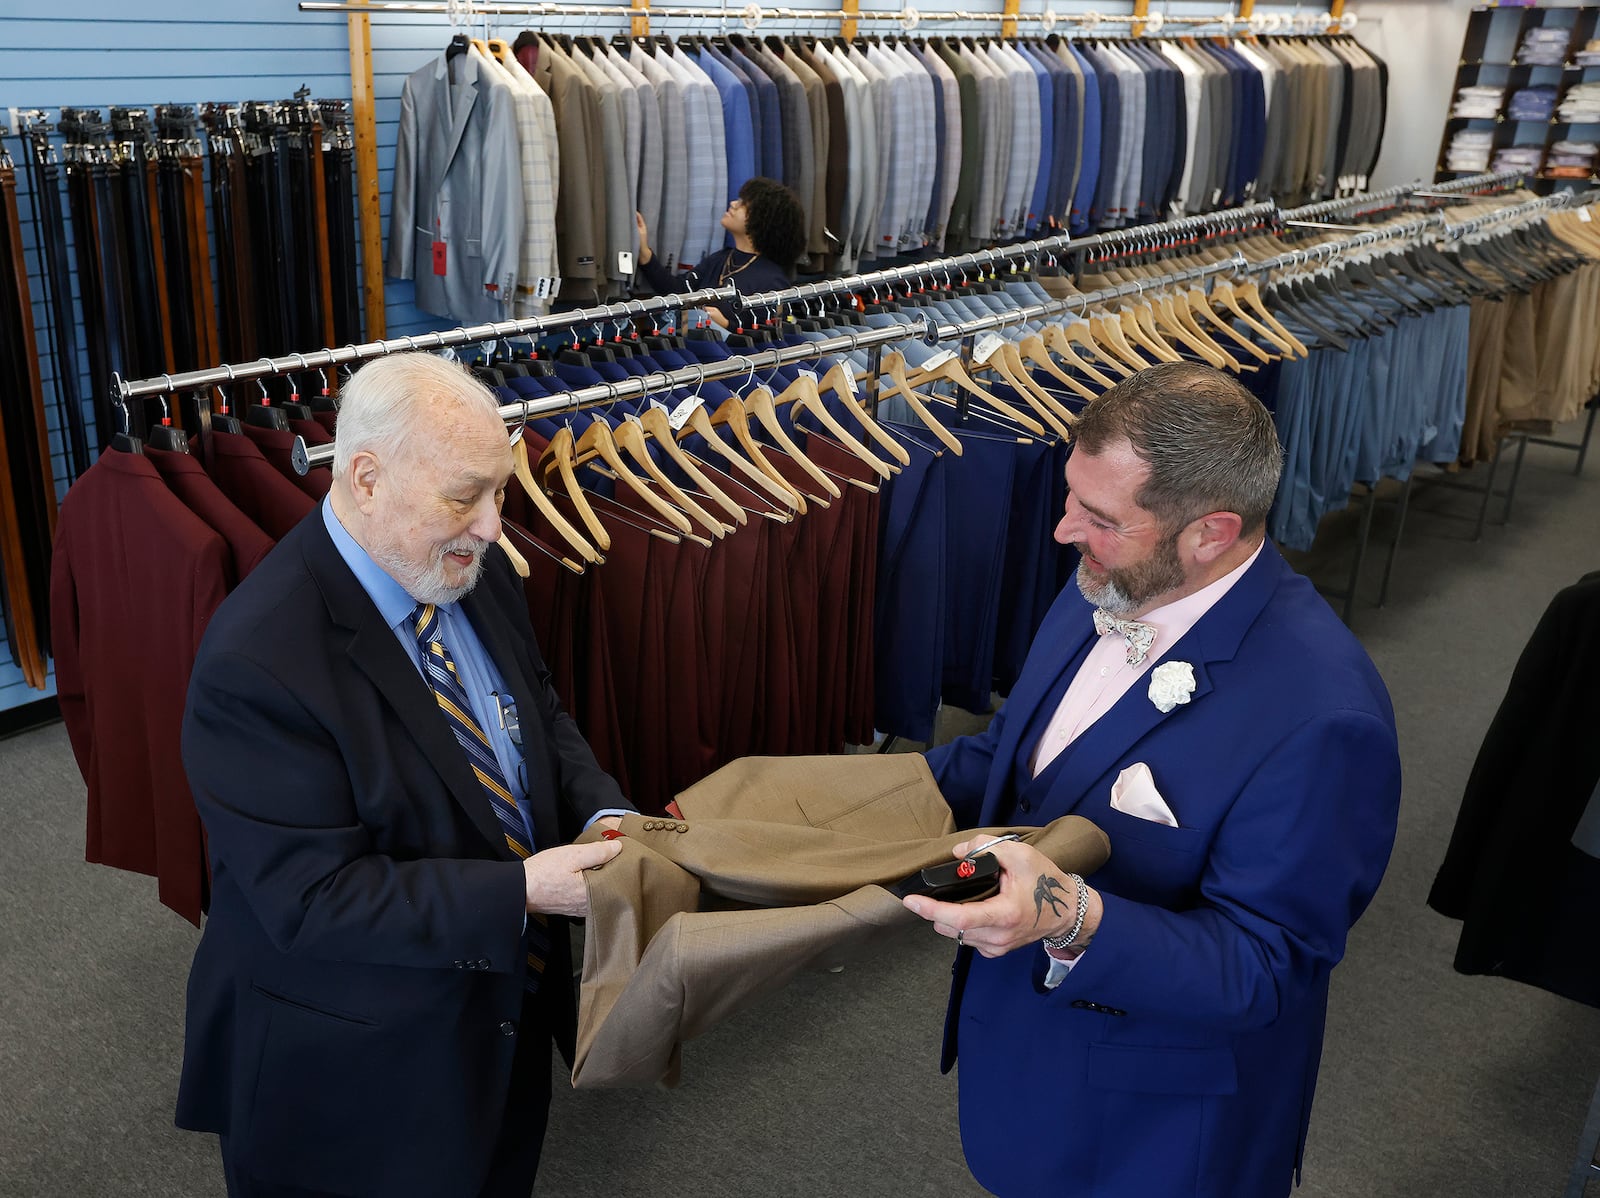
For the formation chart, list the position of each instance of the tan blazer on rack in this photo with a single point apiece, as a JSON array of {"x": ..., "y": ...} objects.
[{"x": 800, "y": 849}]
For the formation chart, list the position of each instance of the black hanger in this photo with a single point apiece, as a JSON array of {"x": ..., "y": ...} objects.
[
  {"x": 489, "y": 375},
  {"x": 458, "y": 46},
  {"x": 125, "y": 441},
  {"x": 264, "y": 415}
]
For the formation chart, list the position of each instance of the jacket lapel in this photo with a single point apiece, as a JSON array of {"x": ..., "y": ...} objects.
[
  {"x": 375, "y": 651},
  {"x": 1112, "y": 737},
  {"x": 460, "y": 97}
]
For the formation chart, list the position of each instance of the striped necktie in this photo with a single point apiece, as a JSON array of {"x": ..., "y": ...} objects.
[{"x": 456, "y": 708}]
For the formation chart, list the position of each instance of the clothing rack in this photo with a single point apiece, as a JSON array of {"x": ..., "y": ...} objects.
[
  {"x": 1224, "y": 221},
  {"x": 1114, "y": 240},
  {"x": 217, "y": 376},
  {"x": 1465, "y": 187},
  {"x": 751, "y": 361}
]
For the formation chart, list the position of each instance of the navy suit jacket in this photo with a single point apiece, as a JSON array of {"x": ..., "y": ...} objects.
[
  {"x": 355, "y": 997},
  {"x": 1179, "y": 1056}
]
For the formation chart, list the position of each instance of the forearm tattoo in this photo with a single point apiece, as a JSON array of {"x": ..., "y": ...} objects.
[{"x": 1044, "y": 891}]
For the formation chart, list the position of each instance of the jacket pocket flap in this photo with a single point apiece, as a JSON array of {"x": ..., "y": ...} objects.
[{"x": 1162, "y": 1070}]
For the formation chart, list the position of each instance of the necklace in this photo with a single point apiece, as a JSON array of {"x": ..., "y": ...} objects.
[{"x": 729, "y": 269}]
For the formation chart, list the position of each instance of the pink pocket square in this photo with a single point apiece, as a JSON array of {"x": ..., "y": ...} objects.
[{"x": 1134, "y": 793}]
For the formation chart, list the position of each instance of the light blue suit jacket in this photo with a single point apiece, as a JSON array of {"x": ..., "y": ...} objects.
[{"x": 1179, "y": 1057}]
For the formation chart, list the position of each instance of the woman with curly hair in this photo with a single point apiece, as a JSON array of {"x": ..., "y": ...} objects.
[{"x": 769, "y": 235}]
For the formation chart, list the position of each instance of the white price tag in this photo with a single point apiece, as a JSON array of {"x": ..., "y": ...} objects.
[
  {"x": 808, "y": 374},
  {"x": 660, "y": 407},
  {"x": 1583, "y": 215},
  {"x": 555, "y": 288},
  {"x": 624, "y": 262},
  {"x": 986, "y": 346},
  {"x": 939, "y": 359},
  {"x": 679, "y": 415},
  {"x": 850, "y": 378}
]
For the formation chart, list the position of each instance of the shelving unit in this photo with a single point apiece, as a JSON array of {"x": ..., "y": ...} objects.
[{"x": 1489, "y": 57}]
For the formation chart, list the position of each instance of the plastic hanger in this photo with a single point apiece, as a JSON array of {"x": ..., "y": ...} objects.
[{"x": 163, "y": 435}]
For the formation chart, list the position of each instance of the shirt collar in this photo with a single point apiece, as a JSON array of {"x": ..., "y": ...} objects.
[
  {"x": 394, "y": 604},
  {"x": 1172, "y": 620}
]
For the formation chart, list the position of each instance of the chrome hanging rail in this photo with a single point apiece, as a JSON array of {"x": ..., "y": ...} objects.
[{"x": 530, "y": 327}]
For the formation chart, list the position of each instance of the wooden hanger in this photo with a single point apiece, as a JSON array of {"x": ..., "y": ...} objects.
[
  {"x": 558, "y": 458},
  {"x": 1200, "y": 305},
  {"x": 541, "y": 501},
  {"x": 1252, "y": 296},
  {"x": 1134, "y": 321},
  {"x": 1174, "y": 313},
  {"x": 760, "y": 405},
  {"x": 654, "y": 423},
  {"x": 1081, "y": 331},
  {"x": 1108, "y": 332},
  {"x": 1007, "y": 359},
  {"x": 1057, "y": 342},
  {"x": 1224, "y": 294},
  {"x": 518, "y": 562},
  {"x": 630, "y": 438},
  {"x": 803, "y": 394},
  {"x": 597, "y": 441},
  {"x": 1033, "y": 348},
  {"x": 731, "y": 414},
  {"x": 840, "y": 379},
  {"x": 895, "y": 366},
  {"x": 699, "y": 422},
  {"x": 539, "y": 547},
  {"x": 952, "y": 371}
]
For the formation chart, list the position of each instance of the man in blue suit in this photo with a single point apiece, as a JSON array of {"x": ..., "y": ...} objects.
[
  {"x": 388, "y": 785},
  {"x": 1156, "y": 1029}
]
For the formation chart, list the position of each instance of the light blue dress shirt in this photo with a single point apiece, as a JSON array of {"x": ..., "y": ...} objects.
[{"x": 479, "y": 676}]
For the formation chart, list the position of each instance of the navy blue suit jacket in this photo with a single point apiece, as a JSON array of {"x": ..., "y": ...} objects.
[
  {"x": 1179, "y": 1057},
  {"x": 355, "y": 997}
]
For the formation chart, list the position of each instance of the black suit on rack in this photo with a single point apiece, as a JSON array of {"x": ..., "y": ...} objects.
[{"x": 356, "y": 1006}]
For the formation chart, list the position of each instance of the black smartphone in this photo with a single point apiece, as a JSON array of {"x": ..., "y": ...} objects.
[{"x": 954, "y": 881}]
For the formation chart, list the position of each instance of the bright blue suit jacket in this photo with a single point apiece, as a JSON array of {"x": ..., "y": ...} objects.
[{"x": 1179, "y": 1057}]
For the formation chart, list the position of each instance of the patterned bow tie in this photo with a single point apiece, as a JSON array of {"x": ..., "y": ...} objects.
[{"x": 1139, "y": 636}]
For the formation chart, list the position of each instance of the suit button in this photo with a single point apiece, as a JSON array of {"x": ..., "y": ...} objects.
[
  {"x": 459, "y": 964},
  {"x": 651, "y": 825},
  {"x": 1079, "y": 1004},
  {"x": 484, "y": 963},
  {"x": 1025, "y": 805},
  {"x": 508, "y": 1028},
  {"x": 683, "y": 827},
  {"x": 1115, "y": 1011}
]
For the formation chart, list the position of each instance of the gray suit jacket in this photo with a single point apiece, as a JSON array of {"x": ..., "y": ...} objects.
[{"x": 458, "y": 186}]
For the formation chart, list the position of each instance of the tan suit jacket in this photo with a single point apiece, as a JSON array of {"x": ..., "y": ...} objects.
[{"x": 778, "y": 864}]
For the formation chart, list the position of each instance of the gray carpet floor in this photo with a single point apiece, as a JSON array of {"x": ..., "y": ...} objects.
[{"x": 1432, "y": 1083}]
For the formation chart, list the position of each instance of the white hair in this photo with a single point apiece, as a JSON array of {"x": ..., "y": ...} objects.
[{"x": 379, "y": 408}]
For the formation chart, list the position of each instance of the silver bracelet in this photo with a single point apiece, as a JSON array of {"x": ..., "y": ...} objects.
[{"x": 1060, "y": 942}]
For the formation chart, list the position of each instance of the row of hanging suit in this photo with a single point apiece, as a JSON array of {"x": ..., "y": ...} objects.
[
  {"x": 1534, "y": 361},
  {"x": 761, "y": 565},
  {"x": 520, "y": 166}
]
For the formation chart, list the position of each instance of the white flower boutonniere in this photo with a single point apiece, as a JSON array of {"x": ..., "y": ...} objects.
[{"x": 1171, "y": 684}]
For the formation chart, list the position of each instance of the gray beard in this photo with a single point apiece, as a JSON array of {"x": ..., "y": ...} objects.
[
  {"x": 429, "y": 586},
  {"x": 1105, "y": 594}
]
